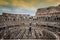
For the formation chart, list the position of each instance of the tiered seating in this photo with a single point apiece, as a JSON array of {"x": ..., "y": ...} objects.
[{"x": 50, "y": 35}]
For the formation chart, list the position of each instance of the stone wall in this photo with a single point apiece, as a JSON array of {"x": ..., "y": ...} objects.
[
  {"x": 14, "y": 19},
  {"x": 46, "y": 18},
  {"x": 53, "y": 10},
  {"x": 20, "y": 19}
]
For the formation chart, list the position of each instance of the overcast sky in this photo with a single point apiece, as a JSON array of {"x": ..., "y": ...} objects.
[{"x": 25, "y": 6}]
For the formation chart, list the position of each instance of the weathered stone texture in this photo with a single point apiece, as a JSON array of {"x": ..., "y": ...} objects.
[
  {"x": 16, "y": 26},
  {"x": 53, "y": 10}
]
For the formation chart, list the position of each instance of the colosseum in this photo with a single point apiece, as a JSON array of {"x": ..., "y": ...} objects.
[{"x": 45, "y": 25}]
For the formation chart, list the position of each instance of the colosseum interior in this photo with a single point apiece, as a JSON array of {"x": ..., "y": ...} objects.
[{"x": 45, "y": 25}]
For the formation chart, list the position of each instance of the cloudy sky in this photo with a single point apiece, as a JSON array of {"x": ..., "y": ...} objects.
[{"x": 25, "y": 6}]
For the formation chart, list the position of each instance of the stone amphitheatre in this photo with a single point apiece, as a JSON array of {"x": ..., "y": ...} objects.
[{"x": 45, "y": 25}]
